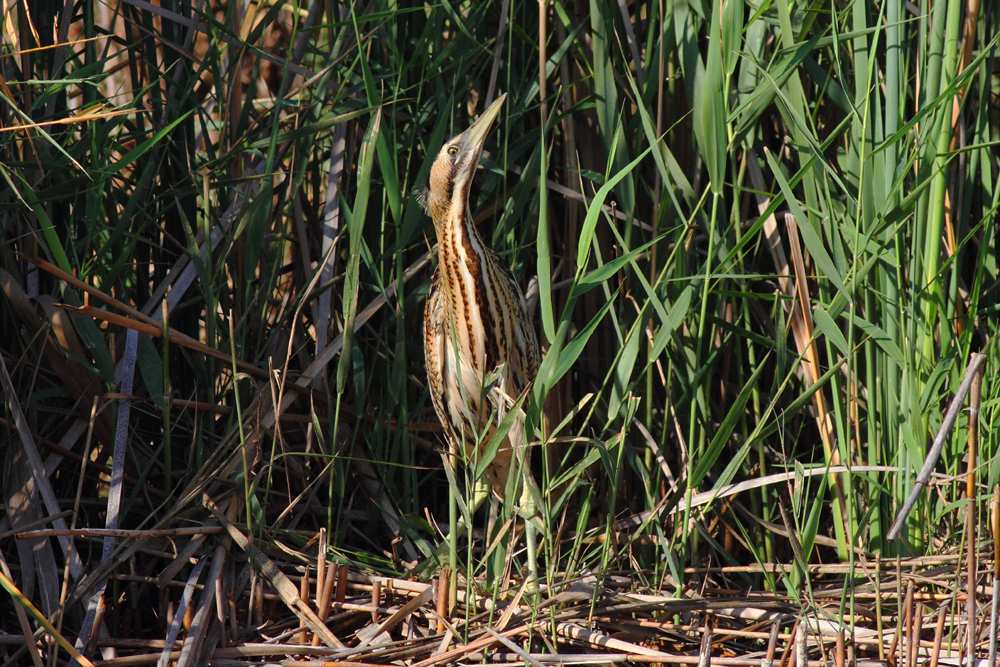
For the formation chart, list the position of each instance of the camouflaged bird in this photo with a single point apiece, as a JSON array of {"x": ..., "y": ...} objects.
[{"x": 475, "y": 322}]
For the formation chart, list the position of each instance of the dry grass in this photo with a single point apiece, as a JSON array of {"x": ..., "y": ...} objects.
[{"x": 764, "y": 263}]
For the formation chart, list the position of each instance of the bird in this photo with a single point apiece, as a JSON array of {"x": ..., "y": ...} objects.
[{"x": 477, "y": 331}]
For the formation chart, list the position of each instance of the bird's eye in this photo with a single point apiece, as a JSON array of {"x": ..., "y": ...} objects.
[{"x": 452, "y": 150}]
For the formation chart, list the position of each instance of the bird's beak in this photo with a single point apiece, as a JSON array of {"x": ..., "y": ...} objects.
[{"x": 476, "y": 135}]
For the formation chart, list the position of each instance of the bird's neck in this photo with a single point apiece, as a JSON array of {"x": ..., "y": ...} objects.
[
  {"x": 459, "y": 244},
  {"x": 466, "y": 277}
]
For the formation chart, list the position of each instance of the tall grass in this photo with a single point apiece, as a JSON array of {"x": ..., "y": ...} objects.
[{"x": 764, "y": 236}]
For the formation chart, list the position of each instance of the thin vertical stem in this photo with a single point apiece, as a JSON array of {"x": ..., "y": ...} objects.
[
  {"x": 995, "y": 516},
  {"x": 970, "y": 515},
  {"x": 542, "y": 93},
  {"x": 168, "y": 470}
]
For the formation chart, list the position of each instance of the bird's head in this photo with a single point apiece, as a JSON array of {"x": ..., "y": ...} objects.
[{"x": 447, "y": 195}]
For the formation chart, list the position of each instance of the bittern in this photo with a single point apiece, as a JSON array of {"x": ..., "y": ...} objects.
[{"x": 476, "y": 326}]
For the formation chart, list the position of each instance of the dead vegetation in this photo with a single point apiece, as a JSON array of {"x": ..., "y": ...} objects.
[{"x": 765, "y": 277}]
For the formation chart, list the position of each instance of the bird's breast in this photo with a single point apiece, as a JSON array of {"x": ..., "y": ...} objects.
[
  {"x": 480, "y": 320},
  {"x": 470, "y": 281}
]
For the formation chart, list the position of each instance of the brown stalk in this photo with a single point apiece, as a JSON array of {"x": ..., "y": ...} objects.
[
  {"x": 304, "y": 596},
  {"x": 938, "y": 634},
  {"x": 786, "y": 654},
  {"x": 321, "y": 568},
  {"x": 323, "y": 601},
  {"x": 342, "y": 574},
  {"x": 444, "y": 575},
  {"x": 772, "y": 642},
  {"x": 376, "y": 599},
  {"x": 918, "y": 624},
  {"x": 65, "y": 514},
  {"x": 705, "y": 654},
  {"x": 257, "y": 601},
  {"x": 806, "y": 343},
  {"x": 99, "y": 616}
]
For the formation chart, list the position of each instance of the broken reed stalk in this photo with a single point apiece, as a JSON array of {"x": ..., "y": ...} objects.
[
  {"x": 304, "y": 595},
  {"x": 342, "y": 574},
  {"x": 221, "y": 610},
  {"x": 444, "y": 577},
  {"x": 705, "y": 655},
  {"x": 772, "y": 643},
  {"x": 918, "y": 624},
  {"x": 323, "y": 607},
  {"x": 801, "y": 645},
  {"x": 376, "y": 598},
  {"x": 787, "y": 651},
  {"x": 321, "y": 567},
  {"x": 938, "y": 634}
]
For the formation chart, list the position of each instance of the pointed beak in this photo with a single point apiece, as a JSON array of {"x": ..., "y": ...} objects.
[{"x": 476, "y": 135}]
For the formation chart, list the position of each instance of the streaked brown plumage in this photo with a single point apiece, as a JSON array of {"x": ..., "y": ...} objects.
[{"x": 475, "y": 319}]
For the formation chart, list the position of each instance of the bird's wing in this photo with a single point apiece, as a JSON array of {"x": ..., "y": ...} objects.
[
  {"x": 434, "y": 352},
  {"x": 525, "y": 348}
]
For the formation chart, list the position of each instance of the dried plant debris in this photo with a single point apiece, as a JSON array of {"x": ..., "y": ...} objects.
[
  {"x": 283, "y": 610},
  {"x": 757, "y": 242}
]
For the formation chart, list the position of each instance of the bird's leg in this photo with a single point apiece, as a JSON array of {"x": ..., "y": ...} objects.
[
  {"x": 528, "y": 509},
  {"x": 480, "y": 492},
  {"x": 447, "y": 552},
  {"x": 529, "y": 512},
  {"x": 453, "y": 516}
]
